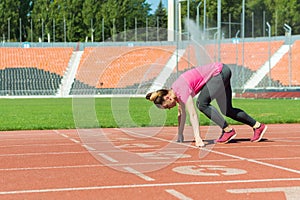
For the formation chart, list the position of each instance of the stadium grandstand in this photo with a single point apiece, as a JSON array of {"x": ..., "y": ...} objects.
[
  {"x": 136, "y": 67},
  {"x": 135, "y": 58}
]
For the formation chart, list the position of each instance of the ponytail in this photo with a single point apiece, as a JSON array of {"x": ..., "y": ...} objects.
[{"x": 157, "y": 96}]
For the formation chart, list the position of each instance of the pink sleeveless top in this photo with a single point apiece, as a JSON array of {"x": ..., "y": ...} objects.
[{"x": 193, "y": 80}]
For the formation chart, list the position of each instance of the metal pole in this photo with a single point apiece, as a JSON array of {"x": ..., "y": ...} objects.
[
  {"x": 288, "y": 29},
  {"x": 157, "y": 28},
  {"x": 42, "y": 30},
  {"x": 114, "y": 30},
  {"x": 146, "y": 29},
  {"x": 53, "y": 30},
  {"x": 243, "y": 40},
  {"x": 264, "y": 23},
  {"x": 236, "y": 57},
  {"x": 188, "y": 17},
  {"x": 236, "y": 46},
  {"x": 269, "y": 31},
  {"x": 31, "y": 27},
  {"x": 135, "y": 28},
  {"x": 176, "y": 33},
  {"x": 179, "y": 20},
  {"x": 8, "y": 24},
  {"x": 219, "y": 30},
  {"x": 102, "y": 29},
  {"x": 125, "y": 29},
  {"x": 92, "y": 31},
  {"x": 204, "y": 19},
  {"x": 20, "y": 20},
  {"x": 188, "y": 30},
  {"x": 198, "y": 6},
  {"x": 252, "y": 24},
  {"x": 65, "y": 34},
  {"x": 276, "y": 22}
]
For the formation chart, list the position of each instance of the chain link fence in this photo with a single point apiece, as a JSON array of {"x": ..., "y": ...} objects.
[{"x": 256, "y": 63}]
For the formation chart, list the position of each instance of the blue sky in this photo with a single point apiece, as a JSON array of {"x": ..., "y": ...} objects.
[{"x": 155, "y": 3}]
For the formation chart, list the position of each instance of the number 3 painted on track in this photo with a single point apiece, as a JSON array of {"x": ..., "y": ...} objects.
[{"x": 208, "y": 170}]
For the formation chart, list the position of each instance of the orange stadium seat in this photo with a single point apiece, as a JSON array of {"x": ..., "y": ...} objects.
[
  {"x": 119, "y": 67},
  {"x": 32, "y": 71},
  {"x": 281, "y": 71},
  {"x": 54, "y": 60},
  {"x": 255, "y": 54}
]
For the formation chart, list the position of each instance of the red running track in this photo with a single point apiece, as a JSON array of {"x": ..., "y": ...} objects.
[{"x": 147, "y": 163}]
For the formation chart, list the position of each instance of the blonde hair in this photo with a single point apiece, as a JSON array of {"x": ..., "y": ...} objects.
[{"x": 158, "y": 96}]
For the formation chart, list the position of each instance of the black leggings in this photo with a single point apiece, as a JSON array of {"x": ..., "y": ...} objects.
[{"x": 219, "y": 88}]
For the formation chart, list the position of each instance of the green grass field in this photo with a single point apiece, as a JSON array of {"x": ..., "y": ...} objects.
[{"x": 53, "y": 113}]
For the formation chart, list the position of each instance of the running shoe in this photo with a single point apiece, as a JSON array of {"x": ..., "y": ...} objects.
[
  {"x": 226, "y": 136},
  {"x": 259, "y": 133}
]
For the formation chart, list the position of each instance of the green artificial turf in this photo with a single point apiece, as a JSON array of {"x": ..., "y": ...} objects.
[{"x": 68, "y": 113}]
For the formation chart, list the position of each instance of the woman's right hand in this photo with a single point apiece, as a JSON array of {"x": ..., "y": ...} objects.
[{"x": 199, "y": 142}]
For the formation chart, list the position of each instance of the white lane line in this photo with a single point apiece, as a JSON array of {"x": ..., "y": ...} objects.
[
  {"x": 88, "y": 147},
  {"x": 113, "y": 161},
  {"x": 228, "y": 155},
  {"x": 178, "y": 194},
  {"x": 103, "y": 155},
  {"x": 255, "y": 161},
  {"x": 64, "y": 135},
  {"x": 44, "y": 153},
  {"x": 51, "y": 168},
  {"x": 139, "y": 174},
  {"x": 144, "y": 185},
  {"x": 291, "y": 193},
  {"x": 73, "y": 140}
]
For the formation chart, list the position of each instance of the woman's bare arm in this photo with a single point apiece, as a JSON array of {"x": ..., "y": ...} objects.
[
  {"x": 181, "y": 122},
  {"x": 194, "y": 121}
]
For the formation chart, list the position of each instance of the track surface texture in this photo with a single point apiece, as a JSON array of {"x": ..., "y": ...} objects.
[{"x": 148, "y": 163}]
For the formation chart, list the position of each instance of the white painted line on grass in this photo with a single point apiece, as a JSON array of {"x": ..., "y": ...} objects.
[
  {"x": 139, "y": 174},
  {"x": 103, "y": 155},
  {"x": 178, "y": 194}
]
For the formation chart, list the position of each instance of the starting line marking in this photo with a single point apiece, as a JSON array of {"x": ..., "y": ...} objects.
[
  {"x": 103, "y": 155},
  {"x": 145, "y": 185},
  {"x": 139, "y": 174},
  {"x": 178, "y": 194},
  {"x": 291, "y": 193}
]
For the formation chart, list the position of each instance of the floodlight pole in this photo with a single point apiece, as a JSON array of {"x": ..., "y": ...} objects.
[
  {"x": 269, "y": 52},
  {"x": 198, "y": 6},
  {"x": 243, "y": 39},
  {"x": 236, "y": 47},
  {"x": 219, "y": 30},
  {"x": 288, "y": 29},
  {"x": 8, "y": 28},
  {"x": 204, "y": 20}
]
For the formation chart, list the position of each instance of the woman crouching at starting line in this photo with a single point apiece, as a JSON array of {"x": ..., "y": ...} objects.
[{"x": 211, "y": 82}]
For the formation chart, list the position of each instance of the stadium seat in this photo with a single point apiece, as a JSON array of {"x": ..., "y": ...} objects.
[
  {"x": 288, "y": 73},
  {"x": 121, "y": 67},
  {"x": 28, "y": 69}
]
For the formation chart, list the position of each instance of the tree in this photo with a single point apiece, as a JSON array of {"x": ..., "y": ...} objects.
[
  {"x": 9, "y": 19},
  {"x": 159, "y": 22},
  {"x": 115, "y": 13},
  {"x": 92, "y": 24},
  {"x": 40, "y": 19}
]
